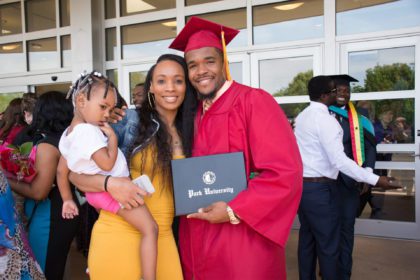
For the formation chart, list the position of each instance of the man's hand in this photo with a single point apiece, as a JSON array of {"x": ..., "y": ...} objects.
[
  {"x": 215, "y": 213},
  {"x": 128, "y": 194},
  {"x": 117, "y": 114},
  {"x": 387, "y": 183}
]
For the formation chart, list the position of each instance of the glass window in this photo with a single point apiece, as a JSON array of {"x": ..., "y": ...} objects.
[
  {"x": 12, "y": 54},
  {"x": 235, "y": 69},
  {"x": 392, "y": 205},
  {"x": 132, "y": 7},
  {"x": 147, "y": 39},
  {"x": 112, "y": 75},
  {"x": 367, "y": 16},
  {"x": 288, "y": 21},
  {"x": 10, "y": 19},
  {"x": 110, "y": 9},
  {"x": 291, "y": 110},
  {"x": 65, "y": 51},
  {"x": 5, "y": 99},
  {"x": 136, "y": 78},
  {"x": 111, "y": 43},
  {"x": 196, "y": 2},
  {"x": 232, "y": 18},
  {"x": 383, "y": 70},
  {"x": 40, "y": 15},
  {"x": 64, "y": 13},
  {"x": 290, "y": 78},
  {"x": 42, "y": 54}
]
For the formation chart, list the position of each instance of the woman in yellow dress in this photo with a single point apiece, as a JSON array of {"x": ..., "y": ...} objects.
[{"x": 164, "y": 133}]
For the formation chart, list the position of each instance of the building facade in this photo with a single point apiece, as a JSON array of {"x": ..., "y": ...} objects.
[{"x": 45, "y": 44}]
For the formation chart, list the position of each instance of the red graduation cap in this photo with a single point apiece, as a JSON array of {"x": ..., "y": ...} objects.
[{"x": 199, "y": 33}]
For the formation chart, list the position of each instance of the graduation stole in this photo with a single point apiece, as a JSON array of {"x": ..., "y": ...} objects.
[
  {"x": 356, "y": 132},
  {"x": 357, "y": 124}
]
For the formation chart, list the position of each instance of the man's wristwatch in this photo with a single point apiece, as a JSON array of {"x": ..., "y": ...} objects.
[{"x": 233, "y": 219}]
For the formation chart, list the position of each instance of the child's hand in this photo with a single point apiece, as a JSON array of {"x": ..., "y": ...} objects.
[
  {"x": 107, "y": 130},
  {"x": 70, "y": 209}
]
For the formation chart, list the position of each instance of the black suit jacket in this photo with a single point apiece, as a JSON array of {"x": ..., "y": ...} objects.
[{"x": 370, "y": 151}]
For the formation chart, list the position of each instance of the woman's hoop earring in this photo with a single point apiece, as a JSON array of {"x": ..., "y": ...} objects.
[{"x": 151, "y": 99}]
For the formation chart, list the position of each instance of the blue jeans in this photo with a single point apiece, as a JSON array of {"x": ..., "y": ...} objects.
[{"x": 127, "y": 130}]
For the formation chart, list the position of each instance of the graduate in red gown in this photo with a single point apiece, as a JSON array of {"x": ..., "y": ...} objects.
[{"x": 244, "y": 238}]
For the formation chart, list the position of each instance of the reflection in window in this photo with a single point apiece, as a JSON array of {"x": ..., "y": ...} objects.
[
  {"x": 136, "y": 78},
  {"x": 235, "y": 69},
  {"x": 392, "y": 205},
  {"x": 383, "y": 70},
  {"x": 12, "y": 54},
  {"x": 290, "y": 78},
  {"x": 10, "y": 19},
  {"x": 288, "y": 21},
  {"x": 40, "y": 15},
  {"x": 131, "y": 7},
  {"x": 42, "y": 54},
  {"x": 147, "y": 39},
  {"x": 64, "y": 13},
  {"x": 112, "y": 75},
  {"x": 364, "y": 16},
  {"x": 232, "y": 18},
  {"x": 111, "y": 43},
  {"x": 110, "y": 9},
  {"x": 196, "y": 2},
  {"x": 392, "y": 119},
  {"x": 65, "y": 51}
]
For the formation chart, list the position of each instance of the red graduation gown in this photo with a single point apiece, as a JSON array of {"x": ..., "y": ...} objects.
[{"x": 248, "y": 120}]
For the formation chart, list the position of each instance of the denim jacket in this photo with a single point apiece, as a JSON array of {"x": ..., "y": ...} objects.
[{"x": 127, "y": 130}]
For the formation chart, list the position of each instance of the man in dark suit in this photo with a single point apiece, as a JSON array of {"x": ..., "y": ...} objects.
[{"x": 352, "y": 122}]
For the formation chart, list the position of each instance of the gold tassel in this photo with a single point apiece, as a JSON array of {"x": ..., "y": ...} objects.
[{"x": 228, "y": 77}]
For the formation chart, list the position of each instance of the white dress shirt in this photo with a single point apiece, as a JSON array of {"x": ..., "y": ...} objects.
[{"x": 320, "y": 140}]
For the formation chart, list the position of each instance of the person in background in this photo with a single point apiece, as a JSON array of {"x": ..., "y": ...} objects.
[
  {"x": 139, "y": 95},
  {"x": 12, "y": 122},
  {"x": 384, "y": 135},
  {"x": 359, "y": 145},
  {"x": 402, "y": 132},
  {"x": 320, "y": 137},
  {"x": 16, "y": 257},
  {"x": 50, "y": 235},
  {"x": 28, "y": 104},
  {"x": 246, "y": 237}
]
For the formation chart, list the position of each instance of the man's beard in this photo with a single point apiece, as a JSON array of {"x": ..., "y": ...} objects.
[{"x": 209, "y": 96}]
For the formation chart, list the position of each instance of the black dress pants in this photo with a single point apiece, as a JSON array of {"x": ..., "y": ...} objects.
[{"x": 319, "y": 234}]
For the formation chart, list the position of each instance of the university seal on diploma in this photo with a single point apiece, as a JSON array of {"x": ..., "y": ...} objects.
[{"x": 200, "y": 181}]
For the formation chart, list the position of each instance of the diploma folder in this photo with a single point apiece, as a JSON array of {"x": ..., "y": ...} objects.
[{"x": 200, "y": 181}]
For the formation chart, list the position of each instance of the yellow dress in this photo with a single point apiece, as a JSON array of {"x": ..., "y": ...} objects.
[{"x": 115, "y": 245}]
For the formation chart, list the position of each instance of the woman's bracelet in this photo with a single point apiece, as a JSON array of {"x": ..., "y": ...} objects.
[{"x": 106, "y": 182}]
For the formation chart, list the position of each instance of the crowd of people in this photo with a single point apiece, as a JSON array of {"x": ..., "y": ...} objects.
[{"x": 187, "y": 107}]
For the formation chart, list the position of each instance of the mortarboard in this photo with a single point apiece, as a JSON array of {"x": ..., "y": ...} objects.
[
  {"x": 199, "y": 33},
  {"x": 343, "y": 79}
]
